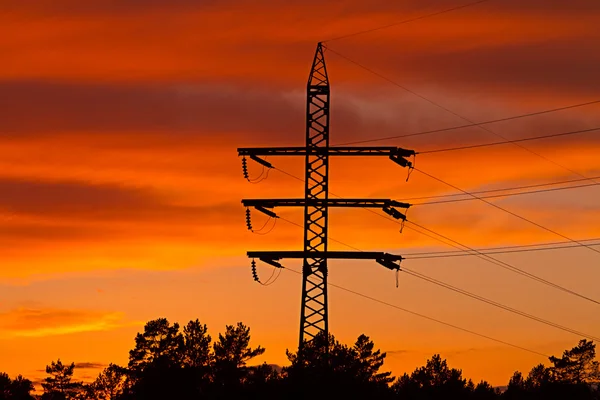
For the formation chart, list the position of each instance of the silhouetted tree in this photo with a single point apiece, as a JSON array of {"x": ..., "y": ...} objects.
[
  {"x": 15, "y": 389},
  {"x": 435, "y": 380},
  {"x": 577, "y": 365},
  {"x": 21, "y": 388},
  {"x": 516, "y": 388},
  {"x": 196, "y": 345},
  {"x": 58, "y": 386},
  {"x": 159, "y": 345},
  {"x": 574, "y": 376},
  {"x": 5, "y": 383},
  {"x": 369, "y": 362},
  {"x": 538, "y": 377},
  {"x": 197, "y": 358},
  {"x": 262, "y": 382},
  {"x": 167, "y": 363},
  {"x": 155, "y": 364},
  {"x": 231, "y": 353},
  {"x": 109, "y": 385},
  {"x": 328, "y": 368},
  {"x": 484, "y": 391}
]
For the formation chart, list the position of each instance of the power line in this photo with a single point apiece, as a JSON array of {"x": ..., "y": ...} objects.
[
  {"x": 456, "y": 114},
  {"x": 288, "y": 174},
  {"x": 502, "y": 264},
  {"x": 463, "y": 254},
  {"x": 522, "y": 246},
  {"x": 507, "y": 211},
  {"x": 497, "y": 262},
  {"x": 474, "y": 146},
  {"x": 496, "y": 304},
  {"x": 478, "y": 297},
  {"x": 453, "y": 243},
  {"x": 486, "y": 197},
  {"x": 502, "y": 189},
  {"x": 407, "y": 21},
  {"x": 427, "y": 317},
  {"x": 549, "y": 111},
  {"x": 490, "y": 259},
  {"x": 495, "y": 196}
]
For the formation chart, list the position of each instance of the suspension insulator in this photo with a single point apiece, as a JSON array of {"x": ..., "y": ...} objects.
[
  {"x": 249, "y": 220},
  {"x": 245, "y": 168},
  {"x": 254, "y": 273}
]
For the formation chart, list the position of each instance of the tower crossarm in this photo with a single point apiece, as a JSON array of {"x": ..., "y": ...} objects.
[
  {"x": 358, "y": 203},
  {"x": 266, "y": 205},
  {"x": 390, "y": 261},
  {"x": 396, "y": 154},
  {"x": 331, "y": 151}
]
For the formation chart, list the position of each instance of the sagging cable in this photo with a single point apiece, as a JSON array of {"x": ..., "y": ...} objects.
[
  {"x": 260, "y": 177},
  {"x": 273, "y": 277},
  {"x": 272, "y": 280},
  {"x": 260, "y": 231}
]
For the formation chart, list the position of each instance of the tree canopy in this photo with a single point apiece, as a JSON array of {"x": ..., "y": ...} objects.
[{"x": 168, "y": 362}]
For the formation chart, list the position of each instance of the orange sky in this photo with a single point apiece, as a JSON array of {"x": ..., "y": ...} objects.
[{"x": 121, "y": 184}]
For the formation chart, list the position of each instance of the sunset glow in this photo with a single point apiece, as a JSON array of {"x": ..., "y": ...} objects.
[{"x": 120, "y": 185}]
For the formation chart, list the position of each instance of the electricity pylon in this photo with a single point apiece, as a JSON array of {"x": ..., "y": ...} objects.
[{"x": 316, "y": 202}]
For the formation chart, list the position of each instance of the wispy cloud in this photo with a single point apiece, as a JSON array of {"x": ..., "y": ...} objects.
[
  {"x": 89, "y": 365},
  {"x": 40, "y": 322}
]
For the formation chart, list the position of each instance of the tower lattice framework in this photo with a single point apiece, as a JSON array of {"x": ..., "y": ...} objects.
[{"x": 316, "y": 202}]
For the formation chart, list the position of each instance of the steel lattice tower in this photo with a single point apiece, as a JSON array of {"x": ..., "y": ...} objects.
[
  {"x": 316, "y": 202},
  {"x": 313, "y": 314}
]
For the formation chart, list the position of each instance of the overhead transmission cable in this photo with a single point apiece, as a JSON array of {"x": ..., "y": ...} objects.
[
  {"x": 510, "y": 248},
  {"x": 511, "y": 141},
  {"x": 475, "y": 124},
  {"x": 455, "y": 114},
  {"x": 507, "y": 211},
  {"x": 501, "y": 189},
  {"x": 495, "y": 196},
  {"x": 495, "y": 261},
  {"x": 477, "y": 253},
  {"x": 522, "y": 250},
  {"x": 453, "y": 243},
  {"x": 497, "y": 304},
  {"x": 487, "y": 130},
  {"x": 406, "y": 21},
  {"x": 478, "y": 297},
  {"x": 575, "y": 243},
  {"x": 439, "y": 321}
]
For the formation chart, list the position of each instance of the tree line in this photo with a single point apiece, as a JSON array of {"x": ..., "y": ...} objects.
[{"x": 172, "y": 363}]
